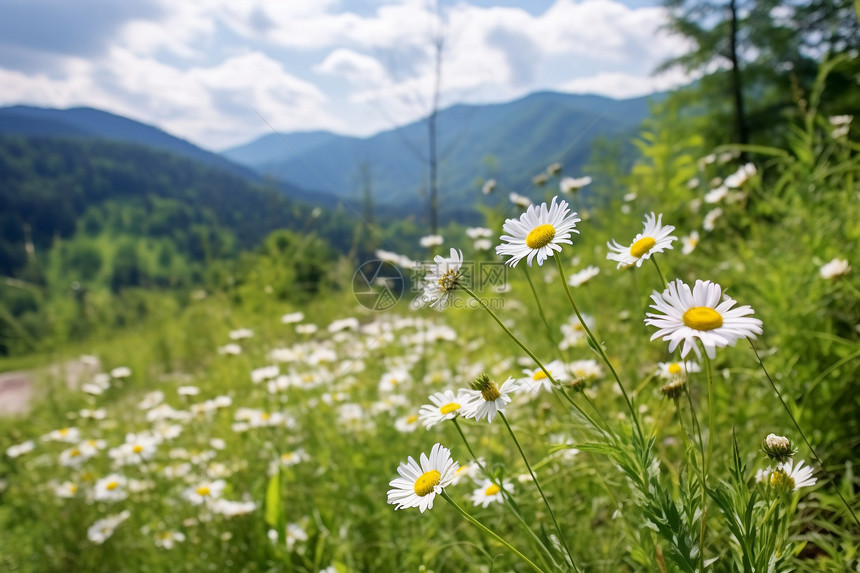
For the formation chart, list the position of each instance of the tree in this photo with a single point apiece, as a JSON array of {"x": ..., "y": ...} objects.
[{"x": 757, "y": 59}]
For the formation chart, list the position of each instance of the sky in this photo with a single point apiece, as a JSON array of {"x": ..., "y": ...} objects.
[{"x": 222, "y": 72}]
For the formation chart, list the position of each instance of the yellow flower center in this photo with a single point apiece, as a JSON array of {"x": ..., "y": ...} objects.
[
  {"x": 64, "y": 431},
  {"x": 112, "y": 486},
  {"x": 490, "y": 392},
  {"x": 202, "y": 491},
  {"x": 265, "y": 416},
  {"x": 73, "y": 488},
  {"x": 703, "y": 318},
  {"x": 675, "y": 368},
  {"x": 137, "y": 449},
  {"x": 75, "y": 453},
  {"x": 492, "y": 490},
  {"x": 411, "y": 419},
  {"x": 642, "y": 246},
  {"x": 428, "y": 480},
  {"x": 448, "y": 281},
  {"x": 540, "y": 236},
  {"x": 449, "y": 407},
  {"x": 539, "y": 375}
]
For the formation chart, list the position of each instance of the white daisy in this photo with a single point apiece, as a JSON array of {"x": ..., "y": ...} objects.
[
  {"x": 669, "y": 370},
  {"x": 538, "y": 233},
  {"x": 442, "y": 278},
  {"x": 835, "y": 269},
  {"x": 432, "y": 241},
  {"x": 486, "y": 399},
  {"x": 101, "y": 530},
  {"x": 469, "y": 470},
  {"x": 787, "y": 476},
  {"x": 479, "y": 232},
  {"x": 655, "y": 238},
  {"x": 520, "y": 200},
  {"x": 571, "y": 184},
  {"x": 21, "y": 449},
  {"x": 488, "y": 186},
  {"x": 406, "y": 424},
  {"x": 111, "y": 488},
  {"x": 583, "y": 276},
  {"x": 446, "y": 406},
  {"x": 294, "y": 534},
  {"x": 741, "y": 176},
  {"x": 488, "y": 492},
  {"x": 690, "y": 242},
  {"x": 169, "y": 539},
  {"x": 292, "y": 317},
  {"x": 418, "y": 484},
  {"x": 710, "y": 222},
  {"x": 241, "y": 333},
  {"x": 204, "y": 491},
  {"x": 536, "y": 380},
  {"x": 587, "y": 369},
  {"x": 688, "y": 315}
]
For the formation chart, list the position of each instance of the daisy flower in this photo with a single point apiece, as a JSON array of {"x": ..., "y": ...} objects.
[
  {"x": 431, "y": 241},
  {"x": 787, "y": 477},
  {"x": 169, "y": 539},
  {"x": 571, "y": 184},
  {"x": 710, "y": 222},
  {"x": 204, "y": 491},
  {"x": 419, "y": 483},
  {"x": 101, "y": 530},
  {"x": 688, "y": 315},
  {"x": 655, "y": 238},
  {"x": 536, "y": 380},
  {"x": 583, "y": 276},
  {"x": 111, "y": 488},
  {"x": 488, "y": 492},
  {"x": 406, "y": 423},
  {"x": 669, "y": 370},
  {"x": 538, "y": 233},
  {"x": 442, "y": 279},
  {"x": 835, "y": 269},
  {"x": 486, "y": 399},
  {"x": 587, "y": 369},
  {"x": 488, "y": 186},
  {"x": 520, "y": 200},
  {"x": 446, "y": 406},
  {"x": 689, "y": 242}
]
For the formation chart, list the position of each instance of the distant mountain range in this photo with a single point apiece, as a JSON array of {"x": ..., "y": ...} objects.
[
  {"x": 510, "y": 142},
  {"x": 85, "y": 122}
]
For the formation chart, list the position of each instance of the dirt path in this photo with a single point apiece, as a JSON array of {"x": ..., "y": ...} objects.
[{"x": 16, "y": 391}]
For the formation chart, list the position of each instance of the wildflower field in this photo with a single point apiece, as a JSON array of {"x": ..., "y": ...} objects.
[{"x": 662, "y": 378}]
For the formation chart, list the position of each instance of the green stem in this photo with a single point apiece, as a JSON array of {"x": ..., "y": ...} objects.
[
  {"x": 525, "y": 348},
  {"x": 802, "y": 435},
  {"x": 540, "y": 489},
  {"x": 540, "y": 308},
  {"x": 702, "y": 477},
  {"x": 711, "y": 437},
  {"x": 597, "y": 346},
  {"x": 490, "y": 532},
  {"x": 506, "y": 496},
  {"x": 659, "y": 272}
]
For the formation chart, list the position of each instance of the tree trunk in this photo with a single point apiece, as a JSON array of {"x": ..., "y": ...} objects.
[{"x": 741, "y": 128}]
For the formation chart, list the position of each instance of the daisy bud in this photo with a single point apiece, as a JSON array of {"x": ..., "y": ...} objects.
[
  {"x": 778, "y": 448},
  {"x": 576, "y": 384},
  {"x": 486, "y": 387},
  {"x": 674, "y": 388}
]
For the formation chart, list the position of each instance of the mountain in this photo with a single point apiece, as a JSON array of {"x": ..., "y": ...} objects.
[
  {"x": 89, "y": 122},
  {"x": 510, "y": 142},
  {"x": 273, "y": 147}
]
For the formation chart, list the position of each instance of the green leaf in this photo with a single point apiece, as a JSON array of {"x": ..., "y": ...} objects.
[{"x": 274, "y": 514}]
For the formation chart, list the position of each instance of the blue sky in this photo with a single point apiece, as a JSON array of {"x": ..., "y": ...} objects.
[{"x": 206, "y": 70}]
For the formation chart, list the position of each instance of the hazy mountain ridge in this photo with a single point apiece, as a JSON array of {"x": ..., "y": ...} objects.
[
  {"x": 522, "y": 136},
  {"x": 89, "y": 122}
]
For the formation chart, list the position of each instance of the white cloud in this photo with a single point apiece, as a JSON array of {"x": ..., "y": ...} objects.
[
  {"x": 359, "y": 69},
  {"x": 621, "y": 85},
  {"x": 208, "y": 66}
]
